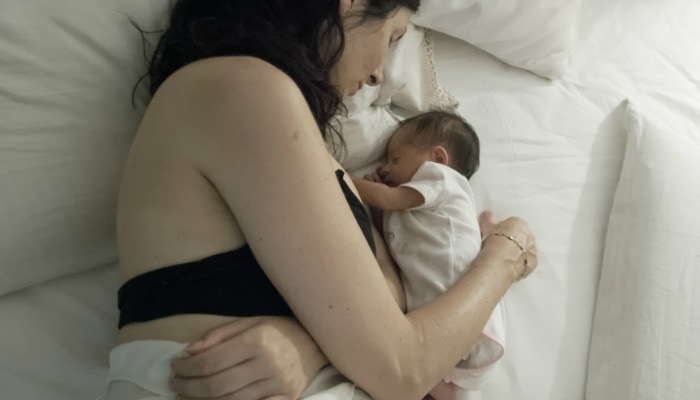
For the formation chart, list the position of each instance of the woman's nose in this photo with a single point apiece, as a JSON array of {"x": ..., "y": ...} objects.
[{"x": 376, "y": 77}]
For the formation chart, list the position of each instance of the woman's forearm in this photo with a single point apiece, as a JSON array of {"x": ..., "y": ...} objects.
[
  {"x": 389, "y": 269},
  {"x": 440, "y": 332},
  {"x": 470, "y": 301}
]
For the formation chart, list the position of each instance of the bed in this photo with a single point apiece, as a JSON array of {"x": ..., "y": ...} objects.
[{"x": 588, "y": 114}]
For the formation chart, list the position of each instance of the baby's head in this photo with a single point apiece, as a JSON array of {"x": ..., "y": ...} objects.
[{"x": 436, "y": 136}]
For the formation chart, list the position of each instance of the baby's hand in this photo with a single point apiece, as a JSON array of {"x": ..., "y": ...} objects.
[{"x": 373, "y": 177}]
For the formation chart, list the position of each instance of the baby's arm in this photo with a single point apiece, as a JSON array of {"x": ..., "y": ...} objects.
[{"x": 388, "y": 198}]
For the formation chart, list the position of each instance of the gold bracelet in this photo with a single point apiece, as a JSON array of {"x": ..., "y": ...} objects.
[{"x": 512, "y": 239}]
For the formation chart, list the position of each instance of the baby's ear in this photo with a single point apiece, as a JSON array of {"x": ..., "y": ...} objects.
[
  {"x": 440, "y": 155},
  {"x": 345, "y": 6}
]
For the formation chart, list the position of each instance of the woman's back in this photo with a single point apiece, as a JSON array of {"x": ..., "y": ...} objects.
[{"x": 169, "y": 211}]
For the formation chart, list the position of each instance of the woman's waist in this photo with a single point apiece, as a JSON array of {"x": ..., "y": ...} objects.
[
  {"x": 183, "y": 328},
  {"x": 228, "y": 284}
]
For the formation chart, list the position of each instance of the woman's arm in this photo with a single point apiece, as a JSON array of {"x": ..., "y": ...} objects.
[
  {"x": 389, "y": 269},
  {"x": 261, "y": 356},
  {"x": 264, "y": 356},
  {"x": 252, "y": 135}
]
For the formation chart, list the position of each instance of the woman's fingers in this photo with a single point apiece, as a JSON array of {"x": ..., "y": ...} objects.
[
  {"x": 234, "y": 383},
  {"x": 515, "y": 228},
  {"x": 221, "y": 334},
  {"x": 212, "y": 360},
  {"x": 532, "y": 260},
  {"x": 486, "y": 222},
  {"x": 249, "y": 380},
  {"x": 220, "y": 349},
  {"x": 250, "y": 358}
]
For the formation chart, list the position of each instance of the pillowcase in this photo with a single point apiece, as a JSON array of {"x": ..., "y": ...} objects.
[
  {"x": 536, "y": 35},
  {"x": 410, "y": 78},
  {"x": 646, "y": 337},
  {"x": 67, "y": 121},
  {"x": 366, "y": 130},
  {"x": 409, "y": 87}
]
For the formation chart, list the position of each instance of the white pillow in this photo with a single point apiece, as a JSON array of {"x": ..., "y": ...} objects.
[
  {"x": 365, "y": 129},
  {"x": 67, "y": 121},
  {"x": 410, "y": 86},
  {"x": 536, "y": 35},
  {"x": 410, "y": 78},
  {"x": 646, "y": 335}
]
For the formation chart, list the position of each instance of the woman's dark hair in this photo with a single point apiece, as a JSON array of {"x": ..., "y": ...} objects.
[
  {"x": 454, "y": 133},
  {"x": 285, "y": 33}
]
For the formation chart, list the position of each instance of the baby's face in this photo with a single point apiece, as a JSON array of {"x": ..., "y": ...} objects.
[{"x": 403, "y": 158}]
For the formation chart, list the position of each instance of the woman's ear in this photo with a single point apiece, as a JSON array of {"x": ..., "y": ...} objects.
[{"x": 440, "y": 155}]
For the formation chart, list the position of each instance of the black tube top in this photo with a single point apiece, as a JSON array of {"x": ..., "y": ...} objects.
[{"x": 228, "y": 284}]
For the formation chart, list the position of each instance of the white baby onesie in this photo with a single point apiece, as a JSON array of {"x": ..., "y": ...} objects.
[{"x": 433, "y": 245}]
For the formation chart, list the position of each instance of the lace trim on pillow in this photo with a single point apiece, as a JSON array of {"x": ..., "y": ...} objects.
[{"x": 441, "y": 98}]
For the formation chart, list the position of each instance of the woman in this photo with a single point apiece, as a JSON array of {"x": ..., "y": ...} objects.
[{"x": 229, "y": 183}]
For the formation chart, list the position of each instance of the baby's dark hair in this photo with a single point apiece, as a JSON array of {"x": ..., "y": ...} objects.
[{"x": 451, "y": 131}]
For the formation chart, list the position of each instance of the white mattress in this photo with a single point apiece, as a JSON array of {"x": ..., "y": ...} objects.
[{"x": 552, "y": 152}]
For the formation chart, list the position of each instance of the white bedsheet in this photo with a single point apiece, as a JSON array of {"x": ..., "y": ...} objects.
[
  {"x": 552, "y": 153},
  {"x": 56, "y": 337}
]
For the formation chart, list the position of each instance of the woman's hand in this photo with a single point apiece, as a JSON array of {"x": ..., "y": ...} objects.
[
  {"x": 249, "y": 359},
  {"x": 516, "y": 231}
]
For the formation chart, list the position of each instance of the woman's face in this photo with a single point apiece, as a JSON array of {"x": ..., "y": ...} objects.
[{"x": 366, "y": 45}]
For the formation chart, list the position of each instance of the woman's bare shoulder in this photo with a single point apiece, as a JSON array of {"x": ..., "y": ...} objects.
[
  {"x": 221, "y": 103},
  {"x": 233, "y": 75}
]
